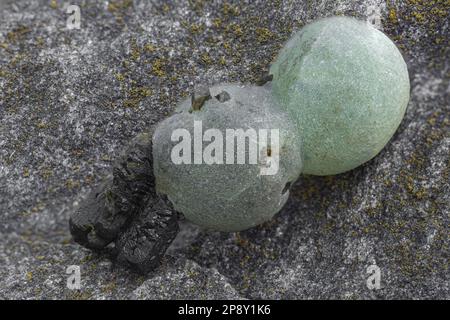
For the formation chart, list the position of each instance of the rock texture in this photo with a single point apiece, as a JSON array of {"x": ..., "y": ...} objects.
[{"x": 70, "y": 100}]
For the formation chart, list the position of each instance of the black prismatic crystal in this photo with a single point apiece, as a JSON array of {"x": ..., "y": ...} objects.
[
  {"x": 142, "y": 245},
  {"x": 125, "y": 209}
]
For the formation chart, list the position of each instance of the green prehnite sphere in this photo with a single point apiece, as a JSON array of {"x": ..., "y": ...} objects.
[
  {"x": 220, "y": 189},
  {"x": 346, "y": 85}
]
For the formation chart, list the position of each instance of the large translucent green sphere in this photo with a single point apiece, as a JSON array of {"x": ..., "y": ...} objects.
[
  {"x": 227, "y": 193},
  {"x": 347, "y": 86}
]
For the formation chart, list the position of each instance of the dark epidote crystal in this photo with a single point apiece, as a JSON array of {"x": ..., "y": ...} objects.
[
  {"x": 126, "y": 209},
  {"x": 142, "y": 245}
]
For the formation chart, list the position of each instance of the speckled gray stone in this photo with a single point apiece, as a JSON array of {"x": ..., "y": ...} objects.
[
  {"x": 187, "y": 280},
  {"x": 347, "y": 86},
  {"x": 226, "y": 192},
  {"x": 66, "y": 112}
]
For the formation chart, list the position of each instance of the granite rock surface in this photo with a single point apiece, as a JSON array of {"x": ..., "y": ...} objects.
[{"x": 71, "y": 99}]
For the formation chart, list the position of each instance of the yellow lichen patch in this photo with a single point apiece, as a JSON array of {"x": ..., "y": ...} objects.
[
  {"x": 419, "y": 17},
  {"x": 429, "y": 15},
  {"x": 237, "y": 30},
  {"x": 206, "y": 58},
  {"x": 135, "y": 52},
  {"x": 440, "y": 11},
  {"x": 158, "y": 67},
  {"x": 26, "y": 173},
  {"x": 118, "y": 8},
  {"x": 264, "y": 35},
  {"x": 149, "y": 48},
  {"x": 53, "y": 4},
  {"x": 227, "y": 46},
  {"x": 72, "y": 184},
  {"x": 17, "y": 58},
  {"x": 120, "y": 77},
  {"x": 393, "y": 15},
  {"x": 135, "y": 96},
  {"x": 141, "y": 92},
  {"x": 196, "y": 28},
  {"x": 114, "y": 6},
  {"x": 109, "y": 288},
  {"x": 46, "y": 173},
  {"x": 228, "y": 9},
  {"x": 105, "y": 157},
  {"x": 3, "y": 73},
  {"x": 37, "y": 208},
  {"x": 17, "y": 33},
  {"x": 40, "y": 42},
  {"x": 217, "y": 23},
  {"x": 79, "y": 295},
  {"x": 432, "y": 119},
  {"x": 165, "y": 8},
  {"x": 41, "y": 125},
  {"x": 222, "y": 61}
]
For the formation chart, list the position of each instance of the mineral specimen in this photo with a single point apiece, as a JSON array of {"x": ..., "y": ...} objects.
[
  {"x": 108, "y": 209},
  {"x": 230, "y": 178},
  {"x": 347, "y": 86},
  {"x": 125, "y": 209},
  {"x": 142, "y": 245}
]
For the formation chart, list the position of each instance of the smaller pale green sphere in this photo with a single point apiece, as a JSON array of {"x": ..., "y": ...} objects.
[
  {"x": 347, "y": 86},
  {"x": 226, "y": 189}
]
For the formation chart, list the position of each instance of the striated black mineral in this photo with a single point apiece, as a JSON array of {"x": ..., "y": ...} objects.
[{"x": 125, "y": 209}]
